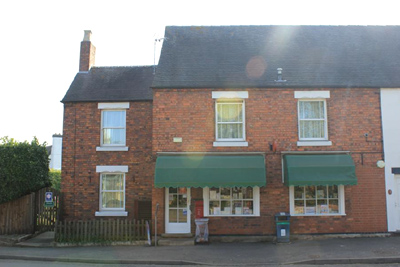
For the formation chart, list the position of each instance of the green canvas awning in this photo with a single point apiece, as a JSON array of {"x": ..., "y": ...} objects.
[
  {"x": 210, "y": 171},
  {"x": 334, "y": 169}
]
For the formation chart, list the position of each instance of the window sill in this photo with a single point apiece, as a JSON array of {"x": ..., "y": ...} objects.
[
  {"x": 112, "y": 148},
  {"x": 111, "y": 213},
  {"x": 230, "y": 143},
  {"x": 233, "y": 215},
  {"x": 314, "y": 143}
]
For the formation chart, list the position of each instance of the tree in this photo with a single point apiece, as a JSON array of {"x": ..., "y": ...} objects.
[{"x": 24, "y": 168}]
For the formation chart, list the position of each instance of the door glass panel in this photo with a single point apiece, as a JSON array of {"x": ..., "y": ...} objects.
[
  {"x": 182, "y": 215},
  {"x": 173, "y": 203},
  {"x": 173, "y": 216}
]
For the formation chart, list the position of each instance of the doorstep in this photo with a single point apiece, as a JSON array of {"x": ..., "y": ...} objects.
[{"x": 176, "y": 240}]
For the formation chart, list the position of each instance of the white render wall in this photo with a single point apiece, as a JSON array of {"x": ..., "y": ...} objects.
[
  {"x": 390, "y": 105},
  {"x": 56, "y": 151}
]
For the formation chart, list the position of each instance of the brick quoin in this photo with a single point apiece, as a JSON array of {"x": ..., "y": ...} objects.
[
  {"x": 271, "y": 115},
  {"x": 80, "y": 182}
]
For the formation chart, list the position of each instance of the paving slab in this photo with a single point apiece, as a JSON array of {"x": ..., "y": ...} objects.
[{"x": 362, "y": 250}]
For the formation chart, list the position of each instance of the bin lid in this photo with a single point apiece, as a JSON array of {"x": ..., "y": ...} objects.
[
  {"x": 201, "y": 220},
  {"x": 282, "y": 214},
  {"x": 283, "y": 222}
]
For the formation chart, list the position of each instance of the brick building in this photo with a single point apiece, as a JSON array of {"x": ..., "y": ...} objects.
[
  {"x": 107, "y": 165},
  {"x": 239, "y": 123},
  {"x": 249, "y": 121}
]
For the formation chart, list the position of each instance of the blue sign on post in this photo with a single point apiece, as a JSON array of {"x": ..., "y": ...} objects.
[
  {"x": 49, "y": 197},
  {"x": 48, "y": 200}
]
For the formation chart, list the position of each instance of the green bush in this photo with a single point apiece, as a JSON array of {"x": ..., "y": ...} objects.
[
  {"x": 55, "y": 178},
  {"x": 24, "y": 168}
]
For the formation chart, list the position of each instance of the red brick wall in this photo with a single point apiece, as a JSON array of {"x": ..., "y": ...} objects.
[
  {"x": 81, "y": 136},
  {"x": 271, "y": 115}
]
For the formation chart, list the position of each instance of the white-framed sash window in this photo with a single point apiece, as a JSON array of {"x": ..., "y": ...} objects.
[
  {"x": 230, "y": 124},
  {"x": 112, "y": 190},
  {"x": 312, "y": 118},
  {"x": 113, "y": 126}
]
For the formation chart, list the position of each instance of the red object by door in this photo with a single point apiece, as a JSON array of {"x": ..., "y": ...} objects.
[{"x": 199, "y": 209}]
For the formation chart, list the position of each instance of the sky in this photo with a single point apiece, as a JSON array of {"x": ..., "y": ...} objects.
[{"x": 40, "y": 42}]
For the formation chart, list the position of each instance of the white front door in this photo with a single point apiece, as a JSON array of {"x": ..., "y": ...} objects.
[{"x": 177, "y": 212}]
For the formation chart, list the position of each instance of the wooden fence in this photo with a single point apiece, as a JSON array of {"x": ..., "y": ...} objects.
[
  {"x": 27, "y": 214},
  {"x": 100, "y": 231}
]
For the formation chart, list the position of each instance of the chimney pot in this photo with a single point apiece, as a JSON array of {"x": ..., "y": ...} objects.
[{"x": 88, "y": 34}]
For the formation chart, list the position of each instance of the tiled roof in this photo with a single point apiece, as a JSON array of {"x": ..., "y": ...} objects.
[
  {"x": 112, "y": 84},
  {"x": 310, "y": 56}
]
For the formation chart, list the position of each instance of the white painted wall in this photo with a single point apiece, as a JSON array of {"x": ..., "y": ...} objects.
[
  {"x": 56, "y": 151},
  {"x": 390, "y": 104}
]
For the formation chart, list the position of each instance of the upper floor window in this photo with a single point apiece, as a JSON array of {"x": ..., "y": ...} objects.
[
  {"x": 312, "y": 120},
  {"x": 230, "y": 127},
  {"x": 230, "y": 121},
  {"x": 113, "y": 126}
]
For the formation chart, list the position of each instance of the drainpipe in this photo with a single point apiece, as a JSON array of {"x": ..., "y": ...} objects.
[{"x": 155, "y": 226}]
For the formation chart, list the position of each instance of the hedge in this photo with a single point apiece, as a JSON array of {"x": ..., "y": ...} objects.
[{"x": 24, "y": 168}]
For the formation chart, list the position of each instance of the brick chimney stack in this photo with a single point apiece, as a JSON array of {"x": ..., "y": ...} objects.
[{"x": 88, "y": 52}]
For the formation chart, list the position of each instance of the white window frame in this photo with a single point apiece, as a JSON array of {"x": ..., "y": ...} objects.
[
  {"x": 341, "y": 203},
  {"x": 325, "y": 120},
  {"x": 230, "y": 97},
  {"x": 104, "y": 107},
  {"x": 316, "y": 96},
  {"x": 256, "y": 204},
  {"x": 111, "y": 170}
]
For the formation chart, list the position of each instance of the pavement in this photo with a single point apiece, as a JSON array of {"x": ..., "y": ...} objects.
[{"x": 379, "y": 249}]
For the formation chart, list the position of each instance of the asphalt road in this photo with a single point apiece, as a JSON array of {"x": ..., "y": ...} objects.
[{"x": 22, "y": 263}]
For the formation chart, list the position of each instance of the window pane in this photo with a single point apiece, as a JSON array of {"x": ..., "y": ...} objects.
[
  {"x": 299, "y": 192},
  {"x": 182, "y": 215},
  {"x": 322, "y": 206},
  {"x": 113, "y": 200},
  {"x": 226, "y": 207},
  {"x": 310, "y": 192},
  {"x": 230, "y": 112},
  {"x": 173, "y": 216},
  {"x": 248, "y": 207},
  {"x": 112, "y": 182},
  {"x": 173, "y": 202},
  {"x": 214, "y": 193},
  {"x": 182, "y": 200},
  {"x": 113, "y": 119},
  {"x": 299, "y": 206},
  {"x": 230, "y": 130},
  {"x": 321, "y": 192},
  {"x": 173, "y": 190},
  {"x": 312, "y": 129},
  {"x": 114, "y": 136},
  {"x": 311, "y": 109},
  {"x": 237, "y": 207},
  {"x": 214, "y": 208},
  {"x": 333, "y": 206},
  {"x": 247, "y": 193},
  {"x": 225, "y": 193},
  {"x": 310, "y": 207},
  {"x": 333, "y": 191}
]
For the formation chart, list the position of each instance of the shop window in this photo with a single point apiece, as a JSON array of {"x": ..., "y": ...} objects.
[
  {"x": 317, "y": 200},
  {"x": 236, "y": 201}
]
